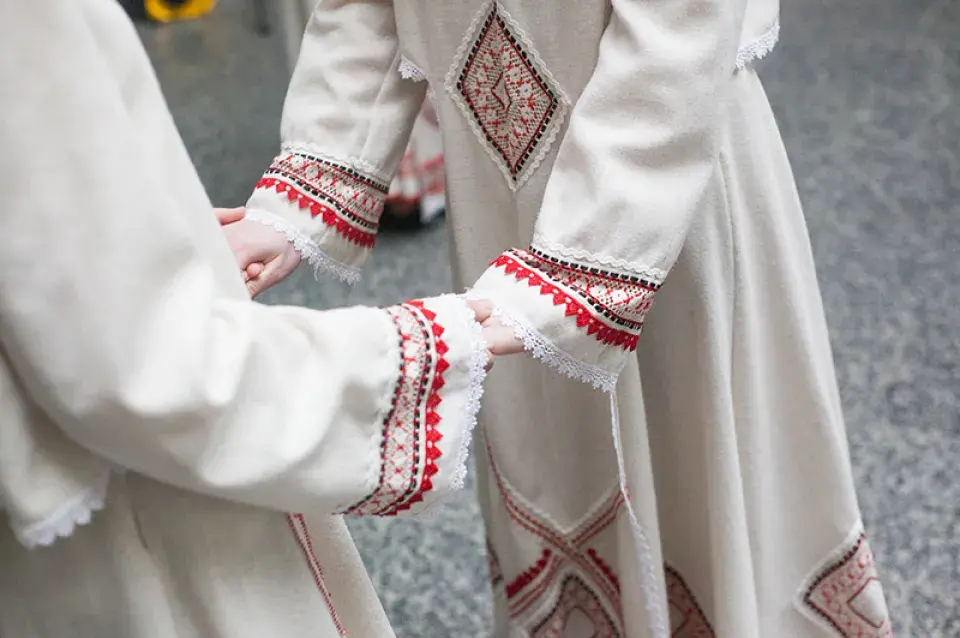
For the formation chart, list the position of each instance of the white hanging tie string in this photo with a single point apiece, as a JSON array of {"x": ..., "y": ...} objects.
[{"x": 652, "y": 585}]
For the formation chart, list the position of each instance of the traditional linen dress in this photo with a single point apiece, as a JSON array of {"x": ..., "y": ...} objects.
[
  {"x": 599, "y": 154},
  {"x": 146, "y": 399}
]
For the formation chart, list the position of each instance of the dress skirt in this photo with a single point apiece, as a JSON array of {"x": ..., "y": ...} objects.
[{"x": 733, "y": 438}]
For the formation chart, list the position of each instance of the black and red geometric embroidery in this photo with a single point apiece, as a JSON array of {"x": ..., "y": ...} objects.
[
  {"x": 409, "y": 446},
  {"x": 345, "y": 200},
  {"x": 847, "y": 596},
  {"x": 298, "y": 525},
  {"x": 569, "y": 577},
  {"x": 687, "y": 619},
  {"x": 577, "y": 612},
  {"x": 570, "y": 589},
  {"x": 509, "y": 98},
  {"x": 610, "y": 306}
]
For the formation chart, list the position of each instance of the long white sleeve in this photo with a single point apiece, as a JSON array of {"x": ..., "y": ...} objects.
[
  {"x": 346, "y": 122},
  {"x": 632, "y": 171},
  {"x": 116, "y": 317}
]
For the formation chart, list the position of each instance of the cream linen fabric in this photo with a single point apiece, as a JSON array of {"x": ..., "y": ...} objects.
[
  {"x": 128, "y": 342},
  {"x": 603, "y": 156}
]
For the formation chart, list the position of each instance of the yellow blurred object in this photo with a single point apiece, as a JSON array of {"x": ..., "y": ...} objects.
[{"x": 173, "y": 10}]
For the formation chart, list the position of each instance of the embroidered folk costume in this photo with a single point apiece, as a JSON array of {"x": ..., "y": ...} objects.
[
  {"x": 613, "y": 168},
  {"x": 174, "y": 457}
]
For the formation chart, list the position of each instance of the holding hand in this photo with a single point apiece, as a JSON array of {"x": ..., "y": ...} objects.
[
  {"x": 266, "y": 258},
  {"x": 264, "y": 255},
  {"x": 501, "y": 340}
]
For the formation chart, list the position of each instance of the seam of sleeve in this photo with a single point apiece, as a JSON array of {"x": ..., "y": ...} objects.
[
  {"x": 357, "y": 164},
  {"x": 541, "y": 243},
  {"x": 309, "y": 250}
]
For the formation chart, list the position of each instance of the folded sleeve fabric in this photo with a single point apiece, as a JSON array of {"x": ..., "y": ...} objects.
[
  {"x": 632, "y": 171},
  {"x": 346, "y": 122},
  {"x": 117, "y": 320}
]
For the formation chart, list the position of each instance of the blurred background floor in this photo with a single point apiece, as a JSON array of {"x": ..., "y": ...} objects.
[{"x": 866, "y": 95}]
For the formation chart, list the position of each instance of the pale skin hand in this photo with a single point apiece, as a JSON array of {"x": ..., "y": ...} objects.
[
  {"x": 266, "y": 258},
  {"x": 501, "y": 340}
]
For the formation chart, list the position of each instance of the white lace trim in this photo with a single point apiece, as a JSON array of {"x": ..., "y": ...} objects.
[
  {"x": 451, "y": 87},
  {"x": 653, "y": 275},
  {"x": 478, "y": 374},
  {"x": 410, "y": 71},
  {"x": 63, "y": 522},
  {"x": 544, "y": 350},
  {"x": 759, "y": 48},
  {"x": 306, "y": 246},
  {"x": 359, "y": 165}
]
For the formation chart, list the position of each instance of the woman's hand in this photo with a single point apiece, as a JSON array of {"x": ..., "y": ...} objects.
[
  {"x": 501, "y": 340},
  {"x": 229, "y": 215},
  {"x": 264, "y": 255}
]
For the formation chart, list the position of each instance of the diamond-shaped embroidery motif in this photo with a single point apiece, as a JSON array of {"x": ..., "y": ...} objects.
[{"x": 510, "y": 99}]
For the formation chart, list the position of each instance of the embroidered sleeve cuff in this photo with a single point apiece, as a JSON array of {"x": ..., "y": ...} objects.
[
  {"x": 329, "y": 209},
  {"x": 581, "y": 320},
  {"x": 425, "y": 440}
]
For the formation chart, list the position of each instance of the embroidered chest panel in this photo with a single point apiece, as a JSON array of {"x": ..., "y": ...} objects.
[{"x": 509, "y": 98}]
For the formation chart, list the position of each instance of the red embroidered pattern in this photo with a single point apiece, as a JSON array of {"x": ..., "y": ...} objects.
[
  {"x": 848, "y": 596},
  {"x": 513, "y": 102},
  {"x": 529, "y": 575},
  {"x": 409, "y": 451},
  {"x": 577, "y": 612},
  {"x": 610, "y": 306},
  {"x": 687, "y": 619},
  {"x": 346, "y": 200},
  {"x": 563, "y": 551},
  {"x": 302, "y": 535},
  {"x": 493, "y": 565}
]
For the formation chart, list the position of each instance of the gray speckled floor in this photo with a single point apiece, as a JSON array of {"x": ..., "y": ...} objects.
[{"x": 867, "y": 96}]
